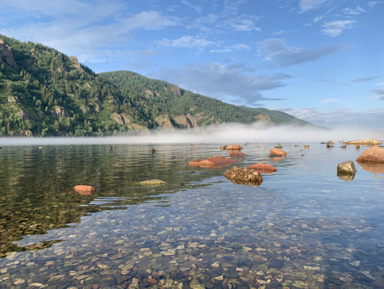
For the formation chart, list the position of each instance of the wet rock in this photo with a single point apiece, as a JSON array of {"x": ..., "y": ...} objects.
[
  {"x": 234, "y": 147},
  {"x": 262, "y": 168},
  {"x": 154, "y": 182},
  {"x": 278, "y": 146},
  {"x": 330, "y": 144},
  {"x": 244, "y": 176},
  {"x": 84, "y": 190},
  {"x": 212, "y": 162},
  {"x": 366, "y": 142},
  {"x": 306, "y": 146},
  {"x": 374, "y": 154},
  {"x": 347, "y": 167},
  {"x": 237, "y": 154},
  {"x": 277, "y": 153}
]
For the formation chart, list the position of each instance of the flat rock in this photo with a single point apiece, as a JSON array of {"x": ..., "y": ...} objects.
[
  {"x": 365, "y": 142},
  {"x": 262, "y": 168},
  {"x": 152, "y": 182},
  {"x": 212, "y": 162},
  {"x": 84, "y": 190},
  {"x": 374, "y": 154},
  {"x": 243, "y": 176}
]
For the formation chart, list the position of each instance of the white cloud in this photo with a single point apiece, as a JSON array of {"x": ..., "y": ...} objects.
[
  {"x": 306, "y": 5},
  {"x": 353, "y": 11},
  {"x": 243, "y": 23},
  {"x": 379, "y": 93},
  {"x": 276, "y": 49},
  {"x": 228, "y": 83},
  {"x": 335, "y": 28}
]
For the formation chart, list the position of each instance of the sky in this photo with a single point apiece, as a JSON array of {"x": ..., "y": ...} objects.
[{"x": 319, "y": 60}]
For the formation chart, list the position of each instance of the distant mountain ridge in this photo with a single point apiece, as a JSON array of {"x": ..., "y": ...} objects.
[{"x": 43, "y": 92}]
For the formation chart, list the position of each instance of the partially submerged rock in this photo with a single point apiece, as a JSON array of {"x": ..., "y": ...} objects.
[
  {"x": 262, "y": 168},
  {"x": 237, "y": 154},
  {"x": 374, "y": 154},
  {"x": 234, "y": 147},
  {"x": 154, "y": 182},
  {"x": 84, "y": 190},
  {"x": 277, "y": 153},
  {"x": 347, "y": 167},
  {"x": 243, "y": 176},
  {"x": 330, "y": 144},
  {"x": 212, "y": 162},
  {"x": 366, "y": 142}
]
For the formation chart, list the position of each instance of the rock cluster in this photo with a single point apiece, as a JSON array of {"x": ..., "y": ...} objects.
[{"x": 243, "y": 176}]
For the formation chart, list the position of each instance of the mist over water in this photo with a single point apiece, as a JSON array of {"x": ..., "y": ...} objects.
[{"x": 222, "y": 134}]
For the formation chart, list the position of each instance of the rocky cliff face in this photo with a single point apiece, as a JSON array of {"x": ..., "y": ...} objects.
[{"x": 6, "y": 55}]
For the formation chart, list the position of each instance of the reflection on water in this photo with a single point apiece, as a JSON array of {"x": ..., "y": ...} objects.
[{"x": 302, "y": 227}]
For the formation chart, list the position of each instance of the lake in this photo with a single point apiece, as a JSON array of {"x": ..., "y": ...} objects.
[{"x": 303, "y": 227}]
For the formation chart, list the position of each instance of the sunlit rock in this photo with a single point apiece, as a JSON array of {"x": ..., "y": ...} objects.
[
  {"x": 154, "y": 182},
  {"x": 243, "y": 176},
  {"x": 234, "y": 147},
  {"x": 277, "y": 153},
  {"x": 366, "y": 142},
  {"x": 84, "y": 190},
  {"x": 374, "y": 154},
  {"x": 212, "y": 162},
  {"x": 262, "y": 168},
  {"x": 346, "y": 168}
]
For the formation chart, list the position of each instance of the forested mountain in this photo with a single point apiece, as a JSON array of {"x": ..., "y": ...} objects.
[{"x": 44, "y": 92}]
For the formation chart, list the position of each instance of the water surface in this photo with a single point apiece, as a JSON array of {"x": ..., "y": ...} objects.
[{"x": 303, "y": 227}]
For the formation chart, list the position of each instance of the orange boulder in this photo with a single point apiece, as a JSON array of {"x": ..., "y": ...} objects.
[
  {"x": 277, "y": 152},
  {"x": 212, "y": 162},
  {"x": 237, "y": 154},
  {"x": 234, "y": 147},
  {"x": 262, "y": 168},
  {"x": 374, "y": 154},
  {"x": 84, "y": 190}
]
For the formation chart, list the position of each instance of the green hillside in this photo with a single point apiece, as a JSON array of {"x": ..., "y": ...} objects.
[{"x": 43, "y": 92}]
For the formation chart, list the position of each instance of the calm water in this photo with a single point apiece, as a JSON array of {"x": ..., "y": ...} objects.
[{"x": 303, "y": 227}]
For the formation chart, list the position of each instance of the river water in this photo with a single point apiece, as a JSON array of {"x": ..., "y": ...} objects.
[{"x": 303, "y": 227}]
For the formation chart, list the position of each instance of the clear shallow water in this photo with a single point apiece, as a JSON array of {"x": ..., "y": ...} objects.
[{"x": 303, "y": 227}]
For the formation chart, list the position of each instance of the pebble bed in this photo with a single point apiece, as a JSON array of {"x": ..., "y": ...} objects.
[{"x": 219, "y": 235}]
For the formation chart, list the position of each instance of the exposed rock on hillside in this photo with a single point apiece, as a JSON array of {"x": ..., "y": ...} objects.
[{"x": 6, "y": 55}]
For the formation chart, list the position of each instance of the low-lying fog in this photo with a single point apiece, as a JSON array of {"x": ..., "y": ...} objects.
[{"x": 221, "y": 134}]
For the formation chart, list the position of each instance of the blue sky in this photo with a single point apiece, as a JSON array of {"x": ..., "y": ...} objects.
[{"x": 319, "y": 60}]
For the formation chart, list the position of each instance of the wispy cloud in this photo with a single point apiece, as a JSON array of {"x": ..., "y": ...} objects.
[
  {"x": 243, "y": 23},
  {"x": 335, "y": 28},
  {"x": 306, "y": 5},
  {"x": 364, "y": 79},
  {"x": 379, "y": 93},
  {"x": 187, "y": 41},
  {"x": 277, "y": 50},
  {"x": 227, "y": 83},
  {"x": 341, "y": 118}
]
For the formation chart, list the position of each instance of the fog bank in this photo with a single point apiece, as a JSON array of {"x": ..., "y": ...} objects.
[{"x": 221, "y": 134}]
